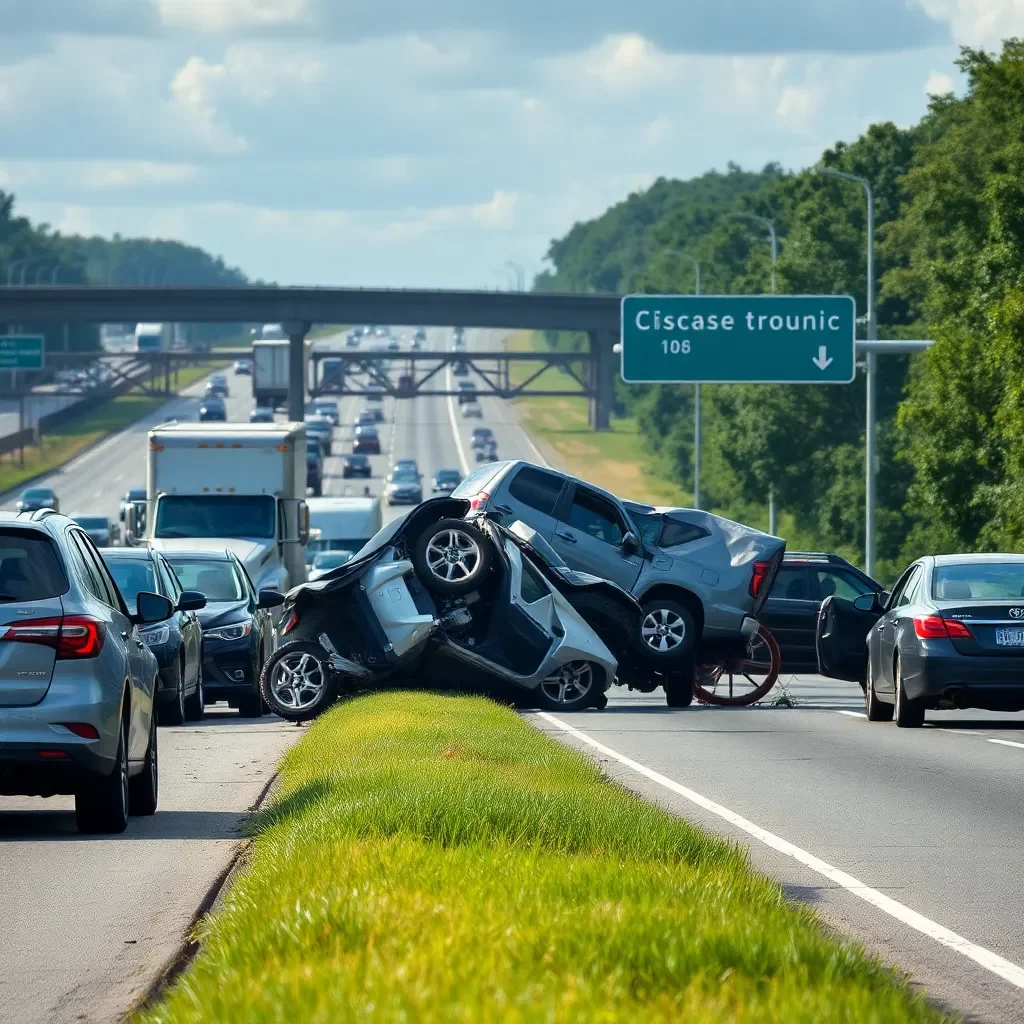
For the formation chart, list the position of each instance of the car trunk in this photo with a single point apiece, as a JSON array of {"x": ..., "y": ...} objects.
[
  {"x": 994, "y": 632},
  {"x": 26, "y": 664}
]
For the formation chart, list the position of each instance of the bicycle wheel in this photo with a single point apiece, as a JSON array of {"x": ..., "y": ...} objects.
[{"x": 740, "y": 681}]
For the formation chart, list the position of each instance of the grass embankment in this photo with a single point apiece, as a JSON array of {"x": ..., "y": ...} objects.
[
  {"x": 64, "y": 443},
  {"x": 436, "y": 859}
]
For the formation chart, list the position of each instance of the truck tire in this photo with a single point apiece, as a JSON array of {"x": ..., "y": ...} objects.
[
  {"x": 668, "y": 631},
  {"x": 451, "y": 557}
]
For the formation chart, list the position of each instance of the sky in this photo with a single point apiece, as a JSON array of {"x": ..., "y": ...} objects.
[{"x": 410, "y": 144}]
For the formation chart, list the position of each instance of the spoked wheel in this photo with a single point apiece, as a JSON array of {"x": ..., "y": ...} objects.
[
  {"x": 297, "y": 682},
  {"x": 451, "y": 557},
  {"x": 739, "y": 681},
  {"x": 570, "y": 688}
]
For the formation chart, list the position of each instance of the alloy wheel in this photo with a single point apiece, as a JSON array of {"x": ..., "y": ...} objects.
[
  {"x": 453, "y": 556},
  {"x": 663, "y": 630},
  {"x": 570, "y": 683},
  {"x": 297, "y": 681}
]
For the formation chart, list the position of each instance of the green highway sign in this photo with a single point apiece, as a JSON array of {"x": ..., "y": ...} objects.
[
  {"x": 21, "y": 351},
  {"x": 738, "y": 339}
]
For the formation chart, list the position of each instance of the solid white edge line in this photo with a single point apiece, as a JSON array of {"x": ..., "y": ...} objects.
[
  {"x": 1008, "y": 743},
  {"x": 998, "y": 965},
  {"x": 463, "y": 461},
  {"x": 852, "y": 714}
]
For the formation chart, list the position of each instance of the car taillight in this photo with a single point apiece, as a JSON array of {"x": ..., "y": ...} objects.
[
  {"x": 479, "y": 501},
  {"x": 74, "y": 636},
  {"x": 293, "y": 621},
  {"x": 761, "y": 570},
  {"x": 934, "y": 627}
]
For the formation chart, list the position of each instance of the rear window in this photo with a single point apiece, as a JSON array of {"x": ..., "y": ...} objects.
[
  {"x": 537, "y": 489},
  {"x": 979, "y": 581},
  {"x": 29, "y": 567},
  {"x": 675, "y": 533},
  {"x": 477, "y": 481}
]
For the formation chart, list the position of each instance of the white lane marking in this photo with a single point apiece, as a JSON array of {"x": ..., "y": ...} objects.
[
  {"x": 852, "y": 714},
  {"x": 463, "y": 461},
  {"x": 993, "y": 962},
  {"x": 1008, "y": 743}
]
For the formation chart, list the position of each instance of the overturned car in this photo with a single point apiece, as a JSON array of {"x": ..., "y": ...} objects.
[{"x": 445, "y": 595}]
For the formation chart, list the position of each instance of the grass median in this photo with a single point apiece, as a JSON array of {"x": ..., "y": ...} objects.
[{"x": 437, "y": 859}]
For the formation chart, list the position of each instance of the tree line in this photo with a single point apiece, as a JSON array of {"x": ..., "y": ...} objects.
[{"x": 949, "y": 212}]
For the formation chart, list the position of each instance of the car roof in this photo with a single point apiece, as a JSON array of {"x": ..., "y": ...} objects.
[
  {"x": 199, "y": 556},
  {"x": 968, "y": 559},
  {"x": 138, "y": 554}
]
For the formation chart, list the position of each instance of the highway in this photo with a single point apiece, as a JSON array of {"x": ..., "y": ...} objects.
[{"x": 909, "y": 841}]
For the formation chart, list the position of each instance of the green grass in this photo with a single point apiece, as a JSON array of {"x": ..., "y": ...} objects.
[{"x": 435, "y": 858}]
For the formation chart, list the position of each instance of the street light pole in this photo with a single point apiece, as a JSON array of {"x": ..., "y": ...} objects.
[
  {"x": 871, "y": 377},
  {"x": 696, "y": 388}
]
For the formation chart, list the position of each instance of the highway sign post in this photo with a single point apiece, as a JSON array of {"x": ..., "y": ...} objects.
[
  {"x": 21, "y": 352},
  {"x": 738, "y": 339}
]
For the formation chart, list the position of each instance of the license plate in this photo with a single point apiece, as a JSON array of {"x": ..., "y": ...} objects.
[{"x": 1010, "y": 637}]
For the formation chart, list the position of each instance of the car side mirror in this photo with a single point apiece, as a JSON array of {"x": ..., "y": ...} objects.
[
  {"x": 870, "y": 602},
  {"x": 631, "y": 543},
  {"x": 191, "y": 601},
  {"x": 150, "y": 608},
  {"x": 270, "y": 599}
]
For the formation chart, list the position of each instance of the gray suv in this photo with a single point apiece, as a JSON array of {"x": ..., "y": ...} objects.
[
  {"x": 77, "y": 683},
  {"x": 700, "y": 579}
]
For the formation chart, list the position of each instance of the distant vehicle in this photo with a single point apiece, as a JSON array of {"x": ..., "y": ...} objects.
[
  {"x": 327, "y": 407},
  {"x": 325, "y": 561},
  {"x": 135, "y": 496},
  {"x": 466, "y": 391},
  {"x": 352, "y": 339},
  {"x": 366, "y": 442},
  {"x": 446, "y": 480},
  {"x": 36, "y": 498},
  {"x": 261, "y": 414},
  {"x": 948, "y": 635},
  {"x": 374, "y": 393},
  {"x": 218, "y": 385},
  {"x": 460, "y": 343},
  {"x": 487, "y": 452},
  {"x": 314, "y": 466},
  {"x": 406, "y": 384},
  {"x": 102, "y": 532},
  {"x": 356, "y": 465},
  {"x": 273, "y": 332},
  {"x": 332, "y": 376},
  {"x": 482, "y": 436},
  {"x": 404, "y": 487},
  {"x": 805, "y": 579},
  {"x": 366, "y": 418},
  {"x": 460, "y": 369},
  {"x": 177, "y": 642},
  {"x": 405, "y": 464},
  {"x": 69, "y": 643},
  {"x": 243, "y": 367},
  {"x": 238, "y": 629},
  {"x": 420, "y": 335},
  {"x": 341, "y": 524},
  {"x": 213, "y": 410},
  {"x": 382, "y": 332},
  {"x": 472, "y": 410},
  {"x": 270, "y": 370},
  {"x": 394, "y": 345},
  {"x": 322, "y": 430},
  {"x": 156, "y": 337}
]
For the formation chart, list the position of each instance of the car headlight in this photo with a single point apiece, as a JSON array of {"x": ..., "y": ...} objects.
[
  {"x": 155, "y": 637},
  {"x": 233, "y": 632}
]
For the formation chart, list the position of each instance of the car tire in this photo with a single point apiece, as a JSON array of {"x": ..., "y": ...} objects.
[
  {"x": 464, "y": 547},
  {"x": 250, "y": 706},
  {"x": 909, "y": 714},
  {"x": 582, "y": 695},
  {"x": 282, "y": 697},
  {"x": 144, "y": 789},
  {"x": 680, "y": 630},
  {"x": 679, "y": 688},
  {"x": 173, "y": 712},
  {"x": 195, "y": 704},
  {"x": 875, "y": 709},
  {"x": 101, "y": 805}
]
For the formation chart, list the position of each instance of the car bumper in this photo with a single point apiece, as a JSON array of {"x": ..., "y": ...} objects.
[
  {"x": 405, "y": 499},
  {"x": 228, "y": 667},
  {"x": 959, "y": 680}
]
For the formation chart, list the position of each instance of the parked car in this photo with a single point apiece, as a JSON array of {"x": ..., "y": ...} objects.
[
  {"x": 404, "y": 487},
  {"x": 36, "y": 498},
  {"x": 949, "y": 635},
  {"x": 356, "y": 465},
  {"x": 804, "y": 580},
  {"x": 238, "y": 630},
  {"x": 701, "y": 580},
  {"x": 472, "y": 410},
  {"x": 218, "y": 385},
  {"x": 261, "y": 414},
  {"x": 134, "y": 496},
  {"x": 243, "y": 367},
  {"x": 446, "y": 480},
  {"x": 213, "y": 410},
  {"x": 327, "y": 561},
  {"x": 101, "y": 529},
  {"x": 366, "y": 441},
  {"x": 72, "y": 655},
  {"x": 177, "y": 642}
]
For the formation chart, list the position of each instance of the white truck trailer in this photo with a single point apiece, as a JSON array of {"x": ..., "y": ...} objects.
[
  {"x": 270, "y": 372},
  {"x": 341, "y": 524},
  {"x": 235, "y": 486}
]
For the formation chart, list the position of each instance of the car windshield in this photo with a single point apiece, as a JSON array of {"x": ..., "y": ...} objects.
[
  {"x": 92, "y": 522},
  {"x": 332, "y": 559},
  {"x": 979, "y": 581},
  {"x": 225, "y": 515},
  {"x": 216, "y": 579},
  {"x": 39, "y": 492},
  {"x": 132, "y": 576},
  {"x": 448, "y": 476},
  {"x": 29, "y": 569},
  {"x": 405, "y": 476}
]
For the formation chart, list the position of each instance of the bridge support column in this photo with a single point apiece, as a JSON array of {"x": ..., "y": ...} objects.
[
  {"x": 296, "y": 332},
  {"x": 602, "y": 379}
]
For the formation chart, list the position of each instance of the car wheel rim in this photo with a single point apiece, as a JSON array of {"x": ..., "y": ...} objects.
[
  {"x": 453, "y": 556},
  {"x": 570, "y": 683},
  {"x": 663, "y": 630},
  {"x": 297, "y": 681}
]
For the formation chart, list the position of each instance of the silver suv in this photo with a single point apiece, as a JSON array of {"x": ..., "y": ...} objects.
[
  {"x": 77, "y": 683},
  {"x": 700, "y": 579}
]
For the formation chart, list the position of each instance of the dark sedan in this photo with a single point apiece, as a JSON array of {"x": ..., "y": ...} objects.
[
  {"x": 446, "y": 480},
  {"x": 949, "y": 635},
  {"x": 314, "y": 473},
  {"x": 36, "y": 498},
  {"x": 238, "y": 631},
  {"x": 356, "y": 465},
  {"x": 366, "y": 442},
  {"x": 217, "y": 385},
  {"x": 177, "y": 642},
  {"x": 213, "y": 410},
  {"x": 805, "y": 579}
]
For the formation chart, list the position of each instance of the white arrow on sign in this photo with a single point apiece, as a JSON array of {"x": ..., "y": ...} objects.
[{"x": 823, "y": 360}]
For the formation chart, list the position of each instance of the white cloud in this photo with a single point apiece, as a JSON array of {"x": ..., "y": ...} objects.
[
  {"x": 223, "y": 16},
  {"x": 192, "y": 88},
  {"x": 938, "y": 84},
  {"x": 797, "y": 106},
  {"x": 978, "y": 22},
  {"x": 498, "y": 212}
]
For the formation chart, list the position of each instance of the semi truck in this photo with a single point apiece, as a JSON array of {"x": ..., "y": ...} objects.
[
  {"x": 154, "y": 337},
  {"x": 229, "y": 486},
  {"x": 270, "y": 372}
]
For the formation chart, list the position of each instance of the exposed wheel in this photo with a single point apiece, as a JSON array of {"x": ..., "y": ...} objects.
[
  {"x": 173, "y": 712},
  {"x": 877, "y": 710},
  {"x": 101, "y": 805},
  {"x": 298, "y": 682},
  {"x": 195, "y": 703},
  {"x": 452, "y": 557},
  {"x": 679, "y": 689},
  {"x": 909, "y": 713},
  {"x": 739, "y": 681},
  {"x": 572, "y": 687},
  {"x": 144, "y": 789},
  {"x": 667, "y": 630}
]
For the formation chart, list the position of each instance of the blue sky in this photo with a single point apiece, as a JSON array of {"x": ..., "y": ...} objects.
[{"x": 410, "y": 144}]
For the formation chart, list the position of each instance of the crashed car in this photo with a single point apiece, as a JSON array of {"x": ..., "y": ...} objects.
[
  {"x": 436, "y": 597},
  {"x": 700, "y": 579}
]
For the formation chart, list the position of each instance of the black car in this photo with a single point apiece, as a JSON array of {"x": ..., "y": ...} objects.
[
  {"x": 314, "y": 468},
  {"x": 482, "y": 436},
  {"x": 36, "y": 498},
  {"x": 487, "y": 452},
  {"x": 366, "y": 442},
  {"x": 261, "y": 414},
  {"x": 446, "y": 480},
  {"x": 460, "y": 369},
  {"x": 238, "y": 631},
  {"x": 177, "y": 642},
  {"x": 466, "y": 391},
  {"x": 949, "y": 635},
  {"x": 217, "y": 385},
  {"x": 356, "y": 465},
  {"x": 135, "y": 496},
  {"x": 805, "y": 579},
  {"x": 214, "y": 410}
]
